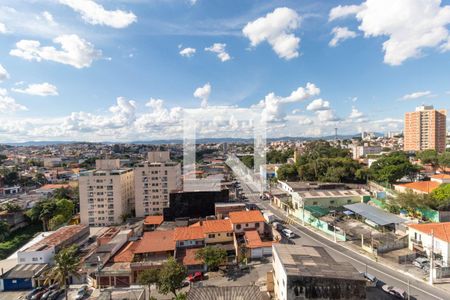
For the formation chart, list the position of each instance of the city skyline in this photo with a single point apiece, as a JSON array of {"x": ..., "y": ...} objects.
[{"x": 125, "y": 70}]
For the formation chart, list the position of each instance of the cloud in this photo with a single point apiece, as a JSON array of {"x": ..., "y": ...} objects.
[
  {"x": 220, "y": 50},
  {"x": 9, "y": 104},
  {"x": 417, "y": 95},
  {"x": 38, "y": 89},
  {"x": 344, "y": 11},
  {"x": 302, "y": 120},
  {"x": 192, "y": 2},
  {"x": 75, "y": 51},
  {"x": 49, "y": 18},
  {"x": 410, "y": 26},
  {"x": 203, "y": 94},
  {"x": 95, "y": 14},
  {"x": 327, "y": 116},
  {"x": 2, "y": 28},
  {"x": 272, "y": 104},
  {"x": 3, "y": 73},
  {"x": 318, "y": 105},
  {"x": 355, "y": 114},
  {"x": 341, "y": 34},
  {"x": 276, "y": 29},
  {"x": 188, "y": 52}
]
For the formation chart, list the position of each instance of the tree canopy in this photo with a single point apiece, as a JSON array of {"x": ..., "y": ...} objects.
[
  {"x": 171, "y": 277},
  {"x": 392, "y": 167},
  {"x": 212, "y": 256}
]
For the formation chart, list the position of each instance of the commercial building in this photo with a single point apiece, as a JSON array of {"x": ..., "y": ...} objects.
[
  {"x": 359, "y": 151},
  {"x": 307, "y": 272},
  {"x": 425, "y": 129},
  {"x": 154, "y": 179},
  {"x": 106, "y": 193}
]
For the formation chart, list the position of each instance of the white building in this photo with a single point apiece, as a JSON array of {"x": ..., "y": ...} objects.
[
  {"x": 154, "y": 179},
  {"x": 364, "y": 150},
  {"x": 106, "y": 194}
]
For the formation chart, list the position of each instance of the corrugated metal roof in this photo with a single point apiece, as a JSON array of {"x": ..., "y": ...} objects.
[
  {"x": 225, "y": 293},
  {"x": 374, "y": 214}
]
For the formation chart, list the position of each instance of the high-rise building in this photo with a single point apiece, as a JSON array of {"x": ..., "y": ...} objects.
[
  {"x": 425, "y": 129},
  {"x": 154, "y": 179},
  {"x": 106, "y": 193}
]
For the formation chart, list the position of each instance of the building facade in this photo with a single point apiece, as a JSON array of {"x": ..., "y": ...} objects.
[
  {"x": 154, "y": 180},
  {"x": 106, "y": 194},
  {"x": 425, "y": 129}
]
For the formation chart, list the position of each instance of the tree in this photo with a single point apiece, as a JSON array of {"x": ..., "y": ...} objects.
[
  {"x": 411, "y": 200},
  {"x": 171, "y": 277},
  {"x": 429, "y": 157},
  {"x": 212, "y": 256},
  {"x": 287, "y": 172},
  {"x": 66, "y": 264},
  {"x": 55, "y": 222},
  {"x": 148, "y": 277},
  {"x": 40, "y": 179},
  {"x": 248, "y": 161},
  {"x": 392, "y": 167},
  {"x": 11, "y": 207},
  {"x": 441, "y": 196},
  {"x": 2, "y": 158},
  {"x": 444, "y": 160},
  {"x": 4, "y": 231}
]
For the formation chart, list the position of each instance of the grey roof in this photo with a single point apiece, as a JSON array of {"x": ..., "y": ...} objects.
[
  {"x": 374, "y": 214},
  {"x": 225, "y": 293},
  {"x": 26, "y": 271},
  {"x": 313, "y": 261}
]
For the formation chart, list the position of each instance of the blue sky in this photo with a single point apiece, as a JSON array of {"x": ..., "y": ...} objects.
[{"x": 122, "y": 77}]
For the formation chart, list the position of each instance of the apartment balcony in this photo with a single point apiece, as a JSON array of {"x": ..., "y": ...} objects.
[{"x": 417, "y": 245}]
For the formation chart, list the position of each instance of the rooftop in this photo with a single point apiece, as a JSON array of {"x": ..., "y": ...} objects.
[
  {"x": 440, "y": 230},
  {"x": 56, "y": 238},
  {"x": 225, "y": 293},
  {"x": 53, "y": 186},
  {"x": 336, "y": 193},
  {"x": 189, "y": 258},
  {"x": 246, "y": 216},
  {"x": 153, "y": 220},
  {"x": 156, "y": 241},
  {"x": 253, "y": 240},
  {"x": 374, "y": 214},
  {"x": 26, "y": 271},
  {"x": 312, "y": 261},
  {"x": 188, "y": 233},
  {"x": 423, "y": 186},
  {"x": 441, "y": 176},
  {"x": 212, "y": 226},
  {"x": 126, "y": 253}
]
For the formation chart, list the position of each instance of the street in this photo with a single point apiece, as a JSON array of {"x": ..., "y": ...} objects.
[{"x": 417, "y": 289}]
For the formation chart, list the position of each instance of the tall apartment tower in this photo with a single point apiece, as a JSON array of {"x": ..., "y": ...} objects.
[
  {"x": 425, "y": 129},
  {"x": 154, "y": 179},
  {"x": 106, "y": 193}
]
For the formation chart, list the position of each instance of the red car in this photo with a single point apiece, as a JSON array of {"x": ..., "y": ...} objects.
[{"x": 197, "y": 276}]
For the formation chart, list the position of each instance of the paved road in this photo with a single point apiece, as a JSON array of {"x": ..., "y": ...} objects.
[{"x": 418, "y": 289}]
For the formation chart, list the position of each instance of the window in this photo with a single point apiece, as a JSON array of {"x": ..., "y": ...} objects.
[
  {"x": 229, "y": 234},
  {"x": 34, "y": 259},
  {"x": 256, "y": 225},
  {"x": 211, "y": 236},
  {"x": 181, "y": 243},
  {"x": 332, "y": 202},
  {"x": 238, "y": 226},
  {"x": 315, "y": 203}
]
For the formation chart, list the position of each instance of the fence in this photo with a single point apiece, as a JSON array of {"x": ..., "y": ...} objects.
[
  {"x": 321, "y": 225},
  {"x": 407, "y": 259}
]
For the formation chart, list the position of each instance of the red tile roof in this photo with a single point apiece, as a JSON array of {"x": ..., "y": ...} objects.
[
  {"x": 189, "y": 259},
  {"x": 156, "y": 241},
  {"x": 253, "y": 240},
  {"x": 440, "y": 230},
  {"x": 441, "y": 176},
  {"x": 250, "y": 216},
  {"x": 423, "y": 186},
  {"x": 153, "y": 220},
  {"x": 188, "y": 233},
  {"x": 54, "y": 186},
  {"x": 212, "y": 226},
  {"x": 126, "y": 253}
]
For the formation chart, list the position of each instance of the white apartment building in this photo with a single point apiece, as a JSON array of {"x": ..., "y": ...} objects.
[
  {"x": 359, "y": 151},
  {"x": 154, "y": 179},
  {"x": 106, "y": 193}
]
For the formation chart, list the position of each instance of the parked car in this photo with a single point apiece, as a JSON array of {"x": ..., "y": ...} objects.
[
  {"x": 38, "y": 295},
  {"x": 288, "y": 233},
  {"x": 46, "y": 294},
  {"x": 54, "y": 295},
  {"x": 420, "y": 262},
  {"x": 394, "y": 291},
  {"x": 277, "y": 225},
  {"x": 82, "y": 291},
  {"x": 371, "y": 279},
  {"x": 197, "y": 276},
  {"x": 33, "y": 292}
]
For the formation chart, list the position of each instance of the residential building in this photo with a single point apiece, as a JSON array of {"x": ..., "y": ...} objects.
[
  {"x": 359, "y": 151},
  {"x": 152, "y": 222},
  {"x": 441, "y": 178},
  {"x": 255, "y": 247},
  {"x": 418, "y": 187},
  {"x": 303, "y": 272},
  {"x": 247, "y": 220},
  {"x": 425, "y": 129},
  {"x": 222, "y": 210},
  {"x": 436, "y": 236},
  {"x": 154, "y": 180},
  {"x": 106, "y": 193}
]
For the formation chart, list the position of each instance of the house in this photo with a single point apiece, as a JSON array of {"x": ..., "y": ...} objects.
[
  {"x": 255, "y": 247},
  {"x": 23, "y": 277},
  {"x": 188, "y": 241},
  {"x": 222, "y": 210},
  {"x": 247, "y": 220},
  {"x": 423, "y": 236},
  {"x": 303, "y": 272},
  {"x": 48, "y": 189},
  {"x": 152, "y": 222},
  {"x": 418, "y": 187},
  {"x": 441, "y": 178}
]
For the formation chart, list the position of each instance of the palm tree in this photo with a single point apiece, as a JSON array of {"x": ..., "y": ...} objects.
[{"x": 66, "y": 264}]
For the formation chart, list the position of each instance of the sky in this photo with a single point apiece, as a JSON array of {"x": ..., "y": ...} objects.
[{"x": 128, "y": 70}]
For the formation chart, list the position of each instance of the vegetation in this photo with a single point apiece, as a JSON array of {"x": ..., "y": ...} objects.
[
  {"x": 66, "y": 264},
  {"x": 149, "y": 277},
  {"x": 17, "y": 239},
  {"x": 248, "y": 161},
  {"x": 439, "y": 199},
  {"x": 392, "y": 167},
  {"x": 287, "y": 172},
  {"x": 212, "y": 256},
  {"x": 435, "y": 159},
  {"x": 4, "y": 231},
  {"x": 279, "y": 157},
  {"x": 171, "y": 277},
  {"x": 441, "y": 196},
  {"x": 52, "y": 212}
]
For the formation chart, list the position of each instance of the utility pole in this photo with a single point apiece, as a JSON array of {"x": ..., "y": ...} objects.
[{"x": 432, "y": 257}]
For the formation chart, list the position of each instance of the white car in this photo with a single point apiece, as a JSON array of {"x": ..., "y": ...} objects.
[{"x": 288, "y": 233}]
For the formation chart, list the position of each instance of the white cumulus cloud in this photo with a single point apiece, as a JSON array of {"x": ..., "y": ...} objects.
[
  {"x": 203, "y": 93},
  {"x": 3, "y": 74},
  {"x": 2, "y": 28},
  {"x": 318, "y": 105},
  {"x": 188, "y": 52},
  {"x": 9, "y": 104},
  {"x": 95, "y": 14},
  {"x": 219, "y": 49},
  {"x": 341, "y": 34},
  {"x": 75, "y": 51},
  {"x": 409, "y": 25},
  {"x": 276, "y": 29},
  {"x": 355, "y": 114},
  {"x": 38, "y": 89},
  {"x": 417, "y": 95}
]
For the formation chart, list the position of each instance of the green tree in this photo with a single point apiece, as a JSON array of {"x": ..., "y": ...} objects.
[
  {"x": 429, "y": 157},
  {"x": 55, "y": 222},
  {"x": 40, "y": 179},
  {"x": 171, "y": 277},
  {"x": 66, "y": 264},
  {"x": 148, "y": 277},
  {"x": 248, "y": 161},
  {"x": 441, "y": 196},
  {"x": 181, "y": 296},
  {"x": 11, "y": 207},
  {"x": 65, "y": 208},
  {"x": 4, "y": 231},
  {"x": 410, "y": 200},
  {"x": 444, "y": 160},
  {"x": 2, "y": 158},
  {"x": 287, "y": 172},
  {"x": 212, "y": 256},
  {"x": 392, "y": 167}
]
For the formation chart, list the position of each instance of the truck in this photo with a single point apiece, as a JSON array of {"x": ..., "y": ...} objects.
[{"x": 269, "y": 217}]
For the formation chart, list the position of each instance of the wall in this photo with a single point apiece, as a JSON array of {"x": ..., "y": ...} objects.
[
  {"x": 279, "y": 276},
  {"x": 220, "y": 237},
  {"x": 319, "y": 224},
  {"x": 440, "y": 247},
  {"x": 36, "y": 257},
  {"x": 250, "y": 226}
]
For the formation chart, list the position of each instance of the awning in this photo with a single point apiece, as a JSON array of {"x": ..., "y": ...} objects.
[{"x": 374, "y": 214}]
